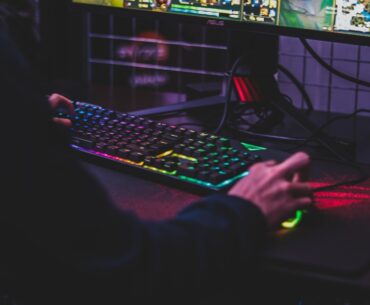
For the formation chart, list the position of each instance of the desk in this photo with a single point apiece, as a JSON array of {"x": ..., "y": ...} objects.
[
  {"x": 148, "y": 199},
  {"x": 157, "y": 201}
]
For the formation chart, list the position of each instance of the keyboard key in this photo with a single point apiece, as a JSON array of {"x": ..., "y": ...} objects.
[
  {"x": 112, "y": 150},
  {"x": 190, "y": 134},
  {"x": 149, "y": 161},
  {"x": 200, "y": 152},
  {"x": 186, "y": 170},
  {"x": 203, "y": 175},
  {"x": 179, "y": 148},
  {"x": 137, "y": 156},
  {"x": 169, "y": 166},
  {"x": 171, "y": 137},
  {"x": 222, "y": 142},
  {"x": 101, "y": 146},
  {"x": 216, "y": 178},
  {"x": 86, "y": 143},
  {"x": 123, "y": 153}
]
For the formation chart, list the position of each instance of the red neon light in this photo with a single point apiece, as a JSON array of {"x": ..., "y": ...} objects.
[
  {"x": 246, "y": 90},
  {"x": 239, "y": 89},
  {"x": 253, "y": 90}
]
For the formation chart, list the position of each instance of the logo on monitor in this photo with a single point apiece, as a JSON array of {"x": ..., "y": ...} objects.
[{"x": 215, "y": 22}]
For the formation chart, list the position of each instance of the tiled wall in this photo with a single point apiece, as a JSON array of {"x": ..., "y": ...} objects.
[
  {"x": 127, "y": 51},
  {"x": 328, "y": 92},
  {"x": 154, "y": 54}
]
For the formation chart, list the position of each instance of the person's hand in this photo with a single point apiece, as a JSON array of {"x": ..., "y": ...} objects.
[
  {"x": 277, "y": 189},
  {"x": 57, "y": 100}
]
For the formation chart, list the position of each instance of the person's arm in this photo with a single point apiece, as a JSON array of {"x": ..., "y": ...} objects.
[
  {"x": 235, "y": 223},
  {"x": 64, "y": 242},
  {"x": 213, "y": 239},
  {"x": 71, "y": 243}
]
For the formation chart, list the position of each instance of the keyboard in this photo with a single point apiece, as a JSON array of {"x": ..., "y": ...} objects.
[{"x": 176, "y": 154}]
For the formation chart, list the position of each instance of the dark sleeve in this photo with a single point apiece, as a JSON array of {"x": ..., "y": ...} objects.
[
  {"x": 210, "y": 246},
  {"x": 62, "y": 239}
]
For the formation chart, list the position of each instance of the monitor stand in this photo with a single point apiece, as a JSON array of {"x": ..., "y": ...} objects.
[
  {"x": 183, "y": 106},
  {"x": 260, "y": 62},
  {"x": 260, "y": 53},
  {"x": 276, "y": 100}
]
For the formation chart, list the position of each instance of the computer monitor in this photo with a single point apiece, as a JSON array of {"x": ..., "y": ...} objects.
[{"x": 336, "y": 20}]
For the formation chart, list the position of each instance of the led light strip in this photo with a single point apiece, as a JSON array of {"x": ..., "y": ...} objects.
[
  {"x": 173, "y": 173},
  {"x": 165, "y": 154},
  {"x": 222, "y": 184},
  {"x": 185, "y": 157},
  {"x": 251, "y": 147}
]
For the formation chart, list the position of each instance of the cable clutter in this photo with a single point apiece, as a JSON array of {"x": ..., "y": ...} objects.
[{"x": 256, "y": 119}]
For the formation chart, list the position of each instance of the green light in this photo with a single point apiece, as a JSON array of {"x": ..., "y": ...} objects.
[
  {"x": 185, "y": 158},
  {"x": 251, "y": 147},
  {"x": 293, "y": 222},
  {"x": 220, "y": 185},
  {"x": 122, "y": 160},
  {"x": 160, "y": 170},
  {"x": 165, "y": 154}
]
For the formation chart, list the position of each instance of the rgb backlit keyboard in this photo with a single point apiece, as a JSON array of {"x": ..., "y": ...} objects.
[{"x": 182, "y": 155}]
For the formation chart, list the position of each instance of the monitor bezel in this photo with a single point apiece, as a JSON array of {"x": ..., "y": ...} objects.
[{"x": 254, "y": 27}]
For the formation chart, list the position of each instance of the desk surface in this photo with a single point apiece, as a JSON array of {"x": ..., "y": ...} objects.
[
  {"x": 336, "y": 211},
  {"x": 343, "y": 212},
  {"x": 148, "y": 199}
]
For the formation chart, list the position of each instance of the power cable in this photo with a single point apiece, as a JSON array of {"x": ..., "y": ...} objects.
[
  {"x": 330, "y": 68},
  {"x": 229, "y": 91},
  {"x": 300, "y": 87}
]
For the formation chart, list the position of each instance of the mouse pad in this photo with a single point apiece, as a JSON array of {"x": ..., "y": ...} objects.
[{"x": 332, "y": 238}]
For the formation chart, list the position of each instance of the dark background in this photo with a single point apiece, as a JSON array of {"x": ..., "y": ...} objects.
[
  {"x": 131, "y": 63},
  {"x": 196, "y": 55}
]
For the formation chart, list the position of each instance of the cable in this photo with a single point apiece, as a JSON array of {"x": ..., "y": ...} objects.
[
  {"x": 268, "y": 136},
  {"x": 329, "y": 122},
  {"x": 330, "y": 68},
  {"x": 228, "y": 95},
  {"x": 300, "y": 87},
  {"x": 341, "y": 117},
  {"x": 261, "y": 114},
  {"x": 363, "y": 175},
  {"x": 340, "y": 74},
  {"x": 343, "y": 160}
]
